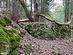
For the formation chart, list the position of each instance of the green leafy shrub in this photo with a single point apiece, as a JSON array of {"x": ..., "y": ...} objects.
[
  {"x": 62, "y": 31},
  {"x": 28, "y": 49},
  {"x": 43, "y": 31}
]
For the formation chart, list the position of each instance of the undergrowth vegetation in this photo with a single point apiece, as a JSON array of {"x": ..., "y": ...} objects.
[
  {"x": 28, "y": 49},
  {"x": 43, "y": 31},
  {"x": 9, "y": 39},
  {"x": 54, "y": 53}
]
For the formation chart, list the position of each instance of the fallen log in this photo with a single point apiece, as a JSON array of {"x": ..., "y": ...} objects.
[
  {"x": 24, "y": 20},
  {"x": 26, "y": 10},
  {"x": 47, "y": 18}
]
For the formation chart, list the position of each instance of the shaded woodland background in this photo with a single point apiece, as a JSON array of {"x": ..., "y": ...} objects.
[
  {"x": 54, "y": 8},
  {"x": 42, "y": 19}
]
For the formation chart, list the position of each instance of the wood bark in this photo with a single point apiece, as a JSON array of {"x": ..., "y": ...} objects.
[
  {"x": 15, "y": 12},
  {"x": 45, "y": 17},
  {"x": 67, "y": 10},
  {"x": 26, "y": 11}
]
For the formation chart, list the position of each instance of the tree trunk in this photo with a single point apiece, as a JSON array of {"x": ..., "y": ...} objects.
[
  {"x": 67, "y": 10},
  {"x": 36, "y": 18},
  {"x": 15, "y": 12},
  {"x": 26, "y": 10},
  {"x": 71, "y": 18}
]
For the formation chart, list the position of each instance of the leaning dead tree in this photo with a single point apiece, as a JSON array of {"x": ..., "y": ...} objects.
[
  {"x": 26, "y": 10},
  {"x": 30, "y": 18},
  {"x": 47, "y": 18}
]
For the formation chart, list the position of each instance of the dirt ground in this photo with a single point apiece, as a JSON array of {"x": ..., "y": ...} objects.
[{"x": 46, "y": 47}]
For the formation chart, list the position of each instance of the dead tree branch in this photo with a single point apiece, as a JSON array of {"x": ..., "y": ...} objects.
[{"x": 41, "y": 15}]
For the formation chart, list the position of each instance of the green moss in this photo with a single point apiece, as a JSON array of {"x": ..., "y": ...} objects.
[
  {"x": 14, "y": 52},
  {"x": 3, "y": 36},
  {"x": 10, "y": 37},
  {"x": 7, "y": 21}
]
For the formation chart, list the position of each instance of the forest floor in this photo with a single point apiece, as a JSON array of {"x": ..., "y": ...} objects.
[{"x": 45, "y": 47}]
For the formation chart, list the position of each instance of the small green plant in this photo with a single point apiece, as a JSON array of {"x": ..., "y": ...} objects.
[
  {"x": 54, "y": 53},
  {"x": 27, "y": 49}
]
